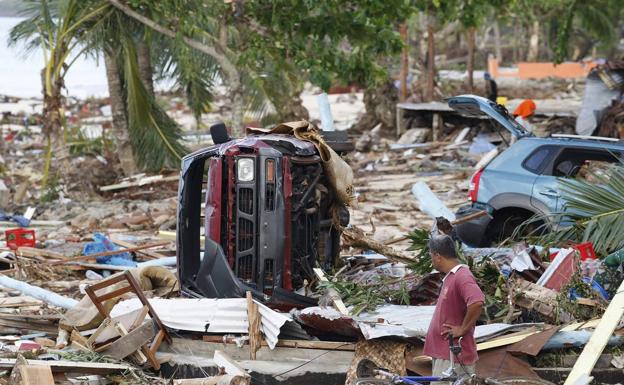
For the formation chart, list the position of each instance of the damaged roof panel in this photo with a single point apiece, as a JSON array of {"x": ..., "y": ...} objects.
[{"x": 225, "y": 315}]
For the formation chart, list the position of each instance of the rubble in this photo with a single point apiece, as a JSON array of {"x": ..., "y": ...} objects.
[{"x": 382, "y": 297}]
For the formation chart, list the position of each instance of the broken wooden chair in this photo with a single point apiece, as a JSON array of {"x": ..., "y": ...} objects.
[{"x": 138, "y": 334}]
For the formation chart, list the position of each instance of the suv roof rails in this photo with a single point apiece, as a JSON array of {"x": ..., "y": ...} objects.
[{"x": 568, "y": 136}]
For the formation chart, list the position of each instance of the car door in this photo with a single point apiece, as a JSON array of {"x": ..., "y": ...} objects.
[
  {"x": 544, "y": 193},
  {"x": 566, "y": 162}
]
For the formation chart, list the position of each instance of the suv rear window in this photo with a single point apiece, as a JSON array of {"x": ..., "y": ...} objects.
[{"x": 537, "y": 161}]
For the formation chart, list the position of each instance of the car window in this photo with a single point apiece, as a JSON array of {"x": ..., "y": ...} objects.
[
  {"x": 583, "y": 163},
  {"x": 537, "y": 161}
]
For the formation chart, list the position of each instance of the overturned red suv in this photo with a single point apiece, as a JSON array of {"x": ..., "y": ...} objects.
[{"x": 268, "y": 213}]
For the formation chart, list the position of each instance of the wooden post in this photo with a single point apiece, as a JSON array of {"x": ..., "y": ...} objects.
[
  {"x": 254, "y": 319},
  {"x": 592, "y": 351},
  {"x": 436, "y": 124},
  {"x": 404, "y": 62}
]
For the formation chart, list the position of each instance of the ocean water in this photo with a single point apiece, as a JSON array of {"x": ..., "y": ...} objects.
[{"x": 20, "y": 74}]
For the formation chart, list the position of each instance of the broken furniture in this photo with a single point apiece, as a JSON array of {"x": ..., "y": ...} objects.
[{"x": 145, "y": 351}]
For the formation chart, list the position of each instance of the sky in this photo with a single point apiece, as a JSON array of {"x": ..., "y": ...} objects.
[{"x": 20, "y": 75}]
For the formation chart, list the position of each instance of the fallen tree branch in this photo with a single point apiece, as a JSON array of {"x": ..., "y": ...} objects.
[{"x": 355, "y": 237}]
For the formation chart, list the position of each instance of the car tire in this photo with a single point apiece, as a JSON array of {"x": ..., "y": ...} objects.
[{"x": 503, "y": 227}]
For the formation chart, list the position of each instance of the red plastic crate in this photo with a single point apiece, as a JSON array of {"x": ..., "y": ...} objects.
[
  {"x": 587, "y": 250},
  {"x": 20, "y": 237}
]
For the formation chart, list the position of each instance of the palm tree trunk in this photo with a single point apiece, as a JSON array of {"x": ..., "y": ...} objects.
[
  {"x": 497, "y": 42},
  {"x": 471, "y": 56},
  {"x": 533, "y": 53},
  {"x": 430, "y": 63},
  {"x": 404, "y": 62},
  {"x": 120, "y": 119},
  {"x": 145, "y": 66}
]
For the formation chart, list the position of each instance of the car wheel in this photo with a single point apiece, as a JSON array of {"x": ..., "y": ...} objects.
[{"x": 504, "y": 226}]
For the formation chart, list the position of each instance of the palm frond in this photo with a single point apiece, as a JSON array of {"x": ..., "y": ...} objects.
[
  {"x": 154, "y": 135},
  {"x": 593, "y": 212},
  {"x": 194, "y": 73}
]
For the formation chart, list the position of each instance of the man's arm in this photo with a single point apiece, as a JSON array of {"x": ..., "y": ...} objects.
[{"x": 470, "y": 319}]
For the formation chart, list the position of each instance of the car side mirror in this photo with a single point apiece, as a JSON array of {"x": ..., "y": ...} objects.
[{"x": 219, "y": 133}]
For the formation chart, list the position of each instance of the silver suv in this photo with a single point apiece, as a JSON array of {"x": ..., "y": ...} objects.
[{"x": 523, "y": 179}]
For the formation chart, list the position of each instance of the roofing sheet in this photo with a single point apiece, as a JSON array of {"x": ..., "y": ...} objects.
[
  {"x": 393, "y": 320},
  {"x": 212, "y": 315}
]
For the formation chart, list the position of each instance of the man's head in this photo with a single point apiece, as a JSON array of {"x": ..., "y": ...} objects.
[
  {"x": 443, "y": 252},
  {"x": 487, "y": 76}
]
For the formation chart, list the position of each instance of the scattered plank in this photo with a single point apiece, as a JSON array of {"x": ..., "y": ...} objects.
[
  {"x": 295, "y": 344},
  {"x": 26, "y": 374},
  {"x": 20, "y": 301},
  {"x": 34, "y": 252},
  {"x": 131, "y": 342},
  {"x": 141, "y": 182},
  {"x": 592, "y": 351},
  {"x": 107, "y": 253},
  {"x": 230, "y": 366},
  {"x": 70, "y": 366},
  {"x": 147, "y": 253},
  {"x": 214, "y": 380}
]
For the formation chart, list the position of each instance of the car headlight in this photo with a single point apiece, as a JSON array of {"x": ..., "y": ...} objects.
[{"x": 245, "y": 170}]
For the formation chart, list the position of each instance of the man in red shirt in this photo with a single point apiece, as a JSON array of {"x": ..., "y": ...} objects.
[{"x": 458, "y": 308}]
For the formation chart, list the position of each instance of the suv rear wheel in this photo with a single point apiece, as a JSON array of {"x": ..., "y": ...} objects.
[{"x": 505, "y": 223}]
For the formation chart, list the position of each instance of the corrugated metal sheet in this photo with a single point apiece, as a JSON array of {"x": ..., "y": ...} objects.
[
  {"x": 387, "y": 320},
  {"x": 398, "y": 320},
  {"x": 223, "y": 315},
  {"x": 392, "y": 320}
]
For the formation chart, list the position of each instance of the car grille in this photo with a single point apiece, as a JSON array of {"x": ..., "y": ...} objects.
[
  {"x": 245, "y": 200},
  {"x": 245, "y": 234},
  {"x": 269, "y": 200},
  {"x": 245, "y": 268}
]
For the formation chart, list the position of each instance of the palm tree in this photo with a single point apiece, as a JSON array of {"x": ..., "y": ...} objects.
[
  {"x": 56, "y": 27},
  {"x": 147, "y": 138}
]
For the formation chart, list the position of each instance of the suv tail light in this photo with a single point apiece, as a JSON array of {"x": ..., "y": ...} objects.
[{"x": 474, "y": 185}]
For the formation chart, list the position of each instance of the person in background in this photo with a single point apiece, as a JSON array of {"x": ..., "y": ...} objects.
[
  {"x": 524, "y": 112},
  {"x": 459, "y": 306},
  {"x": 491, "y": 89}
]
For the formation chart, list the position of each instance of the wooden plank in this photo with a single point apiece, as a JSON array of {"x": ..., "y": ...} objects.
[
  {"x": 70, "y": 366},
  {"x": 19, "y": 301},
  {"x": 592, "y": 351},
  {"x": 230, "y": 366},
  {"x": 34, "y": 326},
  {"x": 214, "y": 380},
  {"x": 34, "y": 252},
  {"x": 140, "y": 318},
  {"x": 141, "y": 182},
  {"x": 107, "y": 253},
  {"x": 253, "y": 329},
  {"x": 138, "y": 355},
  {"x": 91, "y": 340},
  {"x": 147, "y": 253},
  {"x": 296, "y": 344},
  {"x": 131, "y": 342},
  {"x": 581, "y": 325},
  {"x": 36, "y": 375},
  {"x": 506, "y": 340}
]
